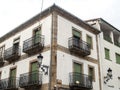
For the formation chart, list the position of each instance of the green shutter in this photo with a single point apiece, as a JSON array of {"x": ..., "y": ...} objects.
[
  {"x": 91, "y": 72},
  {"x": 37, "y": 35},
  {"x": 12, "y": 79},
  {"x": 13, "y": 73},
  {"x": 35, "y": 74},
  {"x": 89, "y": 41},
  {"x": 107, "y": 54},
  {"x": 117, "y": 58},
  {"x": 77, "y": 68},
  {"x": 76, "y": 33},
  {"x": 34, "y": 66}
]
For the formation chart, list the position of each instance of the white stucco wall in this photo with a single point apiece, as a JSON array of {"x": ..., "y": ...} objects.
[
  {"x": 65, "y": 32},
  {"x": 113, "y": 84},
  {"x": 65, "y": 66},
  {"x": 28, "y": 33},
  {"x": 23, "y": 66}
]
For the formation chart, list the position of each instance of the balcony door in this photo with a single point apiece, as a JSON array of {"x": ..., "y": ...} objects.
[
  {"x": 16, "y": 45},
  {"x": 36, "y": 34},
  {"x": 77, "y": 67},
  {"x": 76, "y": 37},
  {"x": 34, "y": 74},
  {"x": 77, "y": 77},
  {"x": 12, "y": 79}
]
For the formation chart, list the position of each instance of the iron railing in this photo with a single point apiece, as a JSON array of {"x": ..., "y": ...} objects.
[
  {"x": 9, "y": 83},
  {"x": 30, "y": 79},
  {"x": 35, "y": 43},
  {"x": 79, "y": 46},
  {"x": 12, "y": 53},
  {"x": 80, "y": 80}
]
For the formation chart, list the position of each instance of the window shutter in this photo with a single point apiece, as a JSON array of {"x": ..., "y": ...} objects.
[
  {"x": 76, "y": 33},
  {"x": 107, "y": 56},
  {"x": 34, "y": 66},
  {"x": 77, "y": 68},
  {"x": 117, "y": 58},
  {"x": 89, "y": 41},
  {"x": 13, "y": 73}
]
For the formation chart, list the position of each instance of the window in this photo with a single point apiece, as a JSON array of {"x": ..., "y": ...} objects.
[
  {"x": 76, "y": 37},
  {"x": 107, "y": 54},
  {"x": 89, "y": 41},
  {"x": 77, "y": 67},
  {"x": 106, "y": 35},
  {"x": 12, "y": 78},
  {"x": 13, "y": 73},
  {"x": 2, "y": 51},
  {"x": 34, "y": 66},
  {"x": 0, "y": 75},
  {"x": 16, "y": 45},
  {"x": 76, "y": 33},
  {"x": 37, "y": 31},
  {"x": 36, "y": 34},
  {"x": 117, "y": 58},
  {"x": 34, "y": 76},
  {"x": 91, "y": 72}
]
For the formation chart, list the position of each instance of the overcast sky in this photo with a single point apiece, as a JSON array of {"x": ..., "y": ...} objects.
[{"x": 15, "y": 12}]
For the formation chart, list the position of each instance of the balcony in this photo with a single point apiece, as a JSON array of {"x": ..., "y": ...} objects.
[
  {"x": 80, "y": 81},
  {"x": 12, "y": 53},
  {"x": 9, "y": 84},
  {"x": 79, "y": 47},
  {"x": 34, "y": 44},
  {"x": 30, "y": 79}
]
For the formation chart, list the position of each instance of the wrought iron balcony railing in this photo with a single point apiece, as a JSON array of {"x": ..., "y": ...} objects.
[
  {"x": 30, "y": 79},
  {"x": 34, "y": 44},
  {"x": 79, "y": 46},
  {"x": 9, "y": 83},
  {"x": 80, "y": 80},
  {"x": 12, "y": 53}
]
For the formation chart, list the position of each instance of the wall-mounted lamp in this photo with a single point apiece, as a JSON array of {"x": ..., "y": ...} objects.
[
  {"x": 109, "y": 76},
  {"x": 44, "y": 68}
]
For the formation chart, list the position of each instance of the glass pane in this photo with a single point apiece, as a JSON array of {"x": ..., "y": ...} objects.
[
  {"x": 34, "y": 75},
  {"x": 34, "y": 66},
  {"x": 76, "y": 33},
  {"x": 107, "y": 54},
  {"x": 89, "y": 41},
  {"x": 118, "y": 58},
  {"x": 13, "y": 73},
  {"x": 77, "y": 68}
]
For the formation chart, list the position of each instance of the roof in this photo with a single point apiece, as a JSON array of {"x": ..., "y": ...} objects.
[
  {"x": 44, "y": 14},
  {"x": 101, "y": 20}
]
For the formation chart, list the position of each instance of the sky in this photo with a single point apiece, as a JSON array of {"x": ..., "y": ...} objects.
[{"x": 15, "y": 12}]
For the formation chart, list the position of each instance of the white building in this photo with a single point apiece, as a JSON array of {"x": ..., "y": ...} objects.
[
  {"x": 68, "y": 46},
  {"x": 109, "y": 53}
]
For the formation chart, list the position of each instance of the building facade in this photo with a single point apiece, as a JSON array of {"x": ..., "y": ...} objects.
[
  {"x": 69, "y": 47},
  {"x": 109, "y": 53}
]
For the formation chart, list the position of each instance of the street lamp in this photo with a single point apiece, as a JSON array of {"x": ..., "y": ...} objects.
[
  {"x": 44, "y": 68},
  {"x": 109, "y": 76}
]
